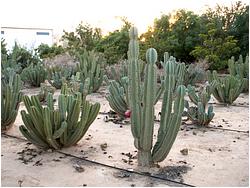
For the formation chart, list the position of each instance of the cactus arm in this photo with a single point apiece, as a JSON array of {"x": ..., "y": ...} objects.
[
  {"x": 148, "y": 101},
  {"x": 159, "y": 92},
  {"x": 58, "y": 133},
  {"x": 74, "y": 112},
  {"x": 48, "y": 129},
  {"x": 160, "y": 153},
  {"x": 32, "y": 139},
  {"x": 134, "y": 83}
]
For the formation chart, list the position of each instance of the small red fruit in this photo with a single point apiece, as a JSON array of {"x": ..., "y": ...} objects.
[{"x": 127, "y": 113}]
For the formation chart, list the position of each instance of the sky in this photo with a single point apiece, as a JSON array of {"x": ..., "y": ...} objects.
[{"x": 62, "y": 15}]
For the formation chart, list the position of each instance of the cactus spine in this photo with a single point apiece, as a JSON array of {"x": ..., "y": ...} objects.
[
  {"x": 142, "y": 99},
  {"x": 47, "y": 127},
  {"x": 10, "y": 98}
]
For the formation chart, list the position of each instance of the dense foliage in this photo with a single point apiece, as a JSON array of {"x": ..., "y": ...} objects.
[
  {"x": 213, "y": 36},
  {"x": 45, "y": 51}
]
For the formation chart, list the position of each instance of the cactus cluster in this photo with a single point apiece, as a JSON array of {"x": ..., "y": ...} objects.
[
  {"x": 194, "y": 73},
  {"x": 118, "y": 95},
  {"x": 75, "y": 86},
  {"x": 58, "y": 75},
  {"x": 34, "y": 74},
  {"x": 91, "y": 66},
  {"x": 118, "y": 71},
  {"x": 45, "y": 90},
  {"x": 47, "y": 127},
  {"x": 240, "y": 69},
  {"x": 201, "y": 113},
  {"x": 11, "y": 96},
  {"x": 142, "y": 97},
  {"x": 226, "y": 89}
]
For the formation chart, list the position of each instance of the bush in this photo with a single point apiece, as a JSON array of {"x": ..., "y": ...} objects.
[{"x": 45, "y": 51}]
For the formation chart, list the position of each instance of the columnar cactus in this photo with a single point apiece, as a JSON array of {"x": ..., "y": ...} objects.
[
  {"x": 197, "y": 113},
  {"x": 241, "y": 69},
  {"x": 226, "y": 89},
  {"x": 118, "y": 96},
  {"x": 10, "y": 98},
  {"x": 91, "y": 66},
  {"x": 142, "y": 97},
  {"x": 34, "y": 74},
  {"x": 47, "y": 127}
]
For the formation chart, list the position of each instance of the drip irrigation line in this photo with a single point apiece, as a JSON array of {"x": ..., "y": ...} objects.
[
  {"x": 224, "y": 129},
  {"x": 220, "y": 104},
  {"x": 232, "y": 130},
  {"x": 109, "y": 166}
]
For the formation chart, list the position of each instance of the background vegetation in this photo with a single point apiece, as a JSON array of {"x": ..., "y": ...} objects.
[{"x": 213, "y": 36}]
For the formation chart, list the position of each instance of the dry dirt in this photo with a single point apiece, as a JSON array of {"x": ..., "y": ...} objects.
[{"x": 215, "y": 156}]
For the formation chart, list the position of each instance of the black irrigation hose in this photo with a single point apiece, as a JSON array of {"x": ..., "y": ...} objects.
[
  {"x": 113, "y": 167},
  {"x": 239, "y": 105},
  {"x": 233, "y": 130}
]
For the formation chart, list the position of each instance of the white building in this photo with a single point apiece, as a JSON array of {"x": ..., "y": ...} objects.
[{"x": 26, "y": 37}]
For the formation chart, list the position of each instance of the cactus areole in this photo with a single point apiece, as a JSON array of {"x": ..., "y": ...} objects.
[{"x": 142, "y": 99}]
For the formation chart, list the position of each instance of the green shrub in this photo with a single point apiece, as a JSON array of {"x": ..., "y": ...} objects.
[{"x": 45, "y": 51}]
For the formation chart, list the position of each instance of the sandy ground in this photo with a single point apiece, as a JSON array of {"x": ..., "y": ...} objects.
[{"x": 217, "y": 156}]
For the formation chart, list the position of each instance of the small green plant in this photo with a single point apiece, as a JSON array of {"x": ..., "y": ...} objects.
[
  {"x": 240, "y": 68},
  {"x": 142, "y": 99},
  {"x": 34, "y": 74},
  {"x": 11, "y": 97},
  {"x": 226, "y": 89},
  {"x": 47, "y": 127},
  {"x": 197, "y": 113}
]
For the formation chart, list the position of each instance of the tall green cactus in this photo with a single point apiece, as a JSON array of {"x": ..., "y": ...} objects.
[
  {"x": 142, "y": 97},
  {"x": 197, "y": 113},
  {"x": 10, "y": 98},
  {"x": 226, "y": 89},
  {"x": 47, "y": 127},
  {"x": 91, "y": 66},
  {"x": 240, "y": 68}
]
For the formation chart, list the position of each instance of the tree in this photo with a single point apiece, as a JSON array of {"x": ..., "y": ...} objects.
[
  {"x": 175, "y": 33},
  {"x": 115, "y": 44},
  {"x": 215, "y": 49},
  {"x": 84, "y": 38}
]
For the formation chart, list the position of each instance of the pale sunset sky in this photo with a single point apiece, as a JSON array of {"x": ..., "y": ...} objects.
[{"x": 67, "y": 14}]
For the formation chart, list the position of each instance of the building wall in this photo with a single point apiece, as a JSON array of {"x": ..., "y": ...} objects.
[{"x": 28, "y": 37}]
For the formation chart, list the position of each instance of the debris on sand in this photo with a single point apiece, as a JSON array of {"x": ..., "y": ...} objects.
[
  {"x": 184, "y": 151},
  {"x": 173, "y": 172}
]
